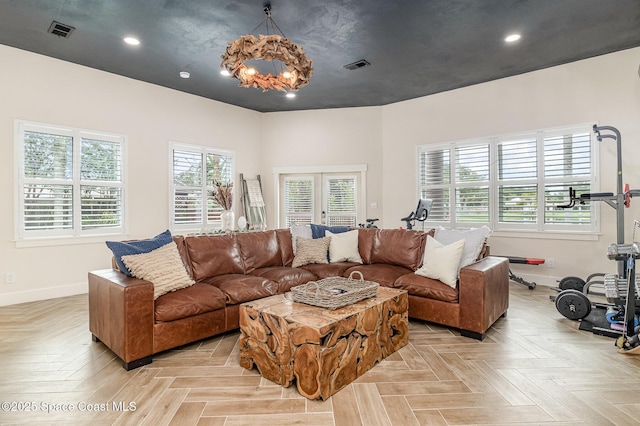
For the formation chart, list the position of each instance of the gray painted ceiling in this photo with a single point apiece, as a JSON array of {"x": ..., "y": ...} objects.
[{"x": 415, "y": 48}]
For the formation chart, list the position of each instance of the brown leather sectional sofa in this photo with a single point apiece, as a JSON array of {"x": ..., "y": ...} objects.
[{"x": 230, "y": 269}]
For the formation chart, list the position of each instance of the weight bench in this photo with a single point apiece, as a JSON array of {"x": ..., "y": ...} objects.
[{"x": 523, "y": 261}]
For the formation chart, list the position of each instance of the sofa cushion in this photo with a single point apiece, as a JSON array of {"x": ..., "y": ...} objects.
[
  {"x": 187, "y": 302},
  {"x": 162, "y": 266},
  {"x": 344, "y": 247},
  {"x": 318, "y": 231},
  {"x": 240, "y": 288},
  {"x": 120, "y": 249},
  {"x": 398, "y": 247},
  {"x": 382, "y": 274},
  {"x": 311, "y": 251},
  {"x": 417, "y": 285},
  {"x": 285, "y": 243},
  {"x": 328, "y": 269},
  {"x": 286, "y": 277},
  {"x": 179, "y": 240},
  {"x": 366, "y": 237},
  {"x": 259, "y": 250},
  {"x": 474, "y": 241},
  {"x": 213, "y": 255},
  {"x": 441, "y": 261}
]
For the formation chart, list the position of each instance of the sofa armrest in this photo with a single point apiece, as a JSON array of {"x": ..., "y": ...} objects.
[
  {"x": 483, "y": 294},
  {"x": 121, "y": 313}
]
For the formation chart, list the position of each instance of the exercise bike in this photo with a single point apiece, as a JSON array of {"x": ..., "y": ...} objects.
[
  {"x": 420, "y": 214},
  {"x": 370, "y": 223}
]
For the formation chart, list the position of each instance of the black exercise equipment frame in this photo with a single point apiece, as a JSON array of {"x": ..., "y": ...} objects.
[{"x": 618, "y": 201}]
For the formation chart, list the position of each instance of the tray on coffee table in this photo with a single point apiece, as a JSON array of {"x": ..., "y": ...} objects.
[{"x": 335, "y": 292}]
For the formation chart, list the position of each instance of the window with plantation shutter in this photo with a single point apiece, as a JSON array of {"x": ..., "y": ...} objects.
[
  {"x": 567, "y": 163},
  {"x": 71, "y": 182},
  {"x": 517, "y": 201},
  {"x": 472, "y": 184},
  {"x": 435, "y": 179},
  {"x": 511, "y": 182},
  {"x": 194, "y": 171},
  {"x": 298, "y": 201},
  {"x": 340, "y": 193}
]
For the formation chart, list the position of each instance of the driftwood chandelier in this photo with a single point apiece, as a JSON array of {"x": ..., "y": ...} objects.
[{"x": 295, "y": 69}]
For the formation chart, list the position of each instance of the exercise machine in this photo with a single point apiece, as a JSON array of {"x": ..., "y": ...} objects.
[
  {"x": 523, "y": 261},
  {"x": 572, "y": 301},
  {"x": 624, "y": 292},
  {"x": 420, "y": 214}
]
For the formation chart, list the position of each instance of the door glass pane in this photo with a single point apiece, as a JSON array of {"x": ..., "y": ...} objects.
[{"x": 341, "y": 201}]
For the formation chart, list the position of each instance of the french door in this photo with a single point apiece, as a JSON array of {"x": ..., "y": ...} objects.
[{"x": 330, "y": 199}]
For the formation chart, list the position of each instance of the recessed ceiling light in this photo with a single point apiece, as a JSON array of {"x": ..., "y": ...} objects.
[
  {"x": 225, "y": 72},
  {"x": 185, "y": 74},
  {"x": 132, "y": 41},
  {"x": 290, "y": 95},
  {"x": 512, "y": 38}
]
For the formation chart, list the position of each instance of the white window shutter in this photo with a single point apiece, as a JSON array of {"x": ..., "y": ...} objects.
[
  {"x": 341, "y": 201},
  {"x": 298, "y": 201}
]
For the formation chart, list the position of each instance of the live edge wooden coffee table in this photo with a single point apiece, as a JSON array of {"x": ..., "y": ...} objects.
[{"x": 321, "y": 350}]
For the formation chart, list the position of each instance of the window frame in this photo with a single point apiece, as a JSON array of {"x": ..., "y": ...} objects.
[
  {"x": 494, "y": 183},
  {"x": 205, "y": 224},
  {"x": 75, "y": 232}
]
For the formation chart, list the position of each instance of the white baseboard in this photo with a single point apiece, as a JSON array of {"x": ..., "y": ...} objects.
[{"x": 7, "y": 299}]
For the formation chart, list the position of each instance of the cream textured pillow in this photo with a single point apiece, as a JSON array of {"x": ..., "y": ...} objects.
[
  {"x": 474, "y": 240},
  {"x": 311, "y": 251},
  {"x": 441, "y": 262},
  {"x": 162, "y": 266},
  {"x": 344, "y": 247}
]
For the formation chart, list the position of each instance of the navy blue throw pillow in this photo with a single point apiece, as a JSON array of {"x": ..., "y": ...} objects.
[
  {"x": 120, "y": 249},
  {"x": 317, "y": 231}
]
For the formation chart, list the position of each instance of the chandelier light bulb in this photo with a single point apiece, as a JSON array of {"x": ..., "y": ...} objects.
[
  {"x": 251, "y": 71},
  {"x": 286, "y": 74}
]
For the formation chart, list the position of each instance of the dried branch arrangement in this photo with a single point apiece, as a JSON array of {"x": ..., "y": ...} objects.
[
  {"x": 223, "y": 194},
  {"x": 268, "y": 48}
]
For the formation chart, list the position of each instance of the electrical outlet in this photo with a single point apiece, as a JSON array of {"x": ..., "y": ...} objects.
[
  {"x": 10, "y": 277},
  {"x": 551, "y": 263}
]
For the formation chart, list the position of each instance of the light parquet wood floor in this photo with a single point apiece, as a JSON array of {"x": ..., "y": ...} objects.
[{"x": 534, "y": 367}]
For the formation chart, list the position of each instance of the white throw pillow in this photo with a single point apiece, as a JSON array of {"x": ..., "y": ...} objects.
[
  {"x": 344, "y": 247},
  {"x": 441, "y": 262},
  {"x": 162, "y": 266},
  {"x": 303, "y": 231},
  {"x": 474, "y": 239}
]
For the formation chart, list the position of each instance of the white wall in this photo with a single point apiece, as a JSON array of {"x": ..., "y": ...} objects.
[
  {"x": 603, "y": 90},
  {"x": 334, "y": 137},
  {"x": 41, "y": 89}
]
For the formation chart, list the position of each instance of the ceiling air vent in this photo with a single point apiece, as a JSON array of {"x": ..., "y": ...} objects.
[
  {"x": 61, "y": 30},
  {"x": 357, "y": 64}
]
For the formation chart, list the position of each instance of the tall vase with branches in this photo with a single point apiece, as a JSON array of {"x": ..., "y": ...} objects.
[{"x": 222, "y": 194}]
